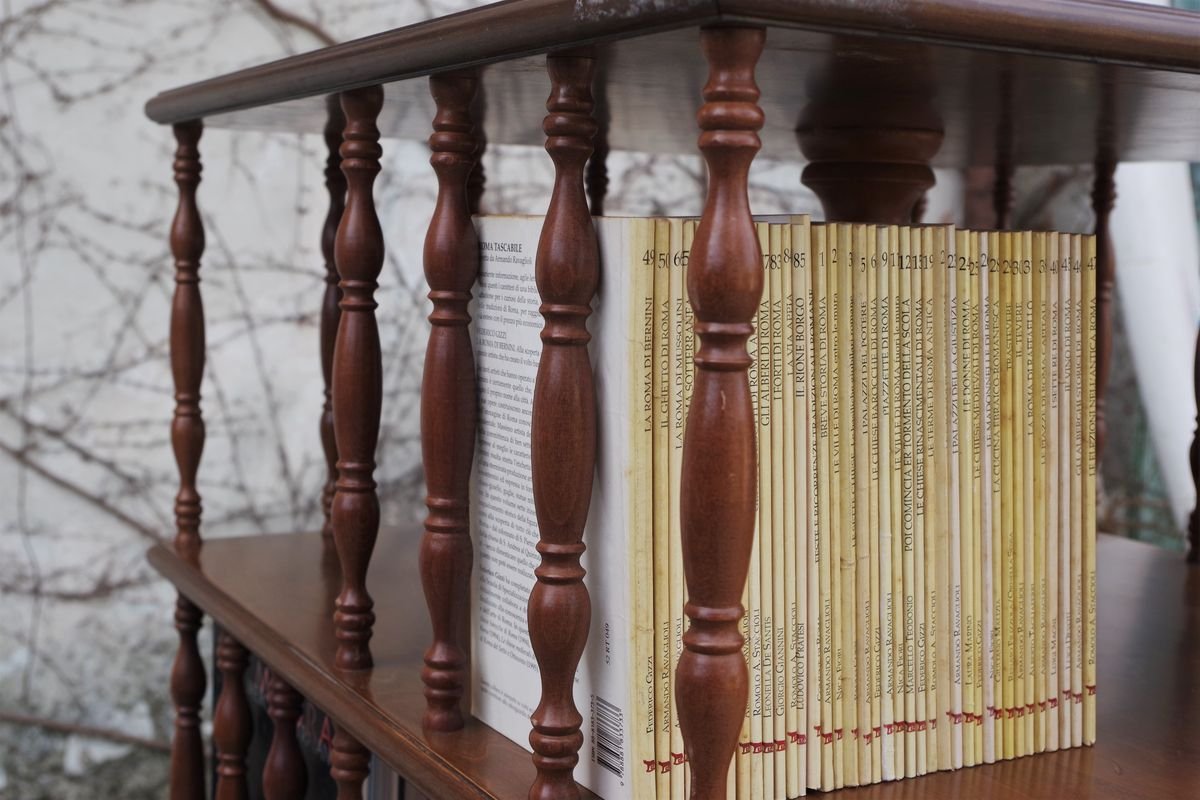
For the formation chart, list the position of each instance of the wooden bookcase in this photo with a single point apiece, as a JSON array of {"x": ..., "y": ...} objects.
[{"x": 871, "y": 95}]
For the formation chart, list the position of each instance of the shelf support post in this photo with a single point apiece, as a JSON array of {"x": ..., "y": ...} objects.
[
  {"x": 284, "y": 773},
  {"x": 357, "y": 378},
  {"x": 231, "y": 720},
  {"x": 720, "y": 465},
  {"x": 187, "y": 440},
  {"x": 1193, "y": 553},
  {"x": 331, "y": 314},
  {"x": 349, "y": 764},
  {"x": 564, "y": 427},
  {"x": 448, "y": 401}
]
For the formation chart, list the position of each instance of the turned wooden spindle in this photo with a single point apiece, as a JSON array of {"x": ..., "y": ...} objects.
[
  {"x": 1002, "y": 195},
  {"x": 719, "y": 479},
  {"x": 564, "y": 428},
  {"x": 1104, "y": 194},
  {"x": 284, "y": 775},
  {"x": 349, "y": 764},
  {"x": 357, "y": 378},
  {"x": 477, "y": 181},
  {"x": 187, "y": 440},
  {"x": 448, "y": 402},
  {"x": 1193, "y": 554},
  {"x": 597, "y": 166},
  {"x": 918, "y": 212},
  {"x": 331, "y": 314},
  {"x": 231, "y": 720}
]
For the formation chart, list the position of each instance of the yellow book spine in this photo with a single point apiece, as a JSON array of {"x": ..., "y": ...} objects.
[
  {"x": 849, "y": 507},
  {"x": 1077, "y": 496},
  {"x": 909, "y": 279},
  {"x": 1053, "y": 454},
  {"x": 662, "y": 472},
  {"x": 887, "y": 458},
  {"x": 937, "y": 552},
  {"x": 825, "y": 491},
  {"x": 875, "y": 593},
  {"x": 1019, "y": 500},
  {"x": 983, "y": 729},
  {"x": 1010, "y": 292},
  {"x": 949, "y": 613},
  {"x": 1041, "y": 439},
  {"x": 1090, "y": 323},
  {"x": 995, "y": 391},
  {"x": 922, "y": 428},
  {"x": 762, "y": 719},
  {"x": 1028, "y": 499},
  {"x": 860, "y": 424},
  {"x": 1066, "y": 373},
  {"x": 776, "y": 742},
  {"x": 967, "y": 336},
  {"x": 898, "y": 283}
]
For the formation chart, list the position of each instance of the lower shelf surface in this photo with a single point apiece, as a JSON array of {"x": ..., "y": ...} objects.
[{"x": 275, "y": 594}]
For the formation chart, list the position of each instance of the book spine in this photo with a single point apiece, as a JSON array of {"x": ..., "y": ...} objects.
[
  {"x": 898, "y": 284},
  {"x": 1053, "y": 454},
  {"x": 1077, "y": 496},
  {"x": 1027, "y": 701},
  {"x": 882, "y": 266},
  {"x": 950, "y": 720},
  {"x": 909, "y": 279},
  {"x": 922, "y": 427},
  {"x": 660, "y": 256},
  {"x": 875, "y": 594},
  {"x": 1089, "y": 486},
  {"x": 968, "y": 337},
  {"x": 994, "y": 387},
  {"x": 940, "y": 610},
  {"x": 1041, "y": 427},
  {"x": 822, "y": 326},
  {"x": 775, "y": 743},
  {"x": 860, "y": 422}
]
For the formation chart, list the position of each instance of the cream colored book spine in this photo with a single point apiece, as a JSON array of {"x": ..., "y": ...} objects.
[
  {"x": 981, "y": 520},
  {"x": 1021, "y": 500},
  {"x": 1028, "y": 498},
  {"x": 678, "y": 263},
  {"x": 793, "y": 529},
  {"x": 923, "y": 486},
  {"x": 1041, "y": 427},
  {"x": 1077, "y": 496},
  {"x": 796, "y": 353},
  {"x": 1053, "y": 454},
  {"x": 901, "y": 319},
  {"x": 950, "y": 719},
  {"x": 1066, "y": 377},
  {"x": 641, "y": 512},
  {"x": 775, "y": 743},
  {"x": 826, "y": 490},
  {"x": 945, "y": 496},
  {"x": 968, "y": 339},
  {"x": 909, "y": 279},
  {"x": 998, "y": 349},
  {"x": 661, "y": 259},
  {"x": 875, "y": 593},
  {"x": 860, "y": 424},
  {"x": 934, "y": 492},
  {"x": 1090, "y": 324},
  {"x": 887, "y": 457},
  {"x": 842, "y": 437}
]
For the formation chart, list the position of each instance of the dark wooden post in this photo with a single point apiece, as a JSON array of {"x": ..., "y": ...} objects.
[
  {"x": 357, "y": 378},
  {"x": 1002, "y": 195},
  {"x": 349, "y": 764},
  {"x": 331, "y": 314},
  {"x": 1104, "y": 194},
  {"x": 719, "y": 478},
  {"x": 231, "y": 720},
  {"x": 448, "y": 402},
  {"x": 187, "y": 440},
  {"x": 597, "y": 166},
  {"x": 284, "y": 774},
  {"x": 564, "y": 428}
]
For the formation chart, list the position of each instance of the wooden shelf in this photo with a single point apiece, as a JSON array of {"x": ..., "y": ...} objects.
[
  {"x": 274, "y": 594},
  {"x": 1034, "y": 82}
]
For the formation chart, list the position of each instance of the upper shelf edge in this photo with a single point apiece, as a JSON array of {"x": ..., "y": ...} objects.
[{"x": 1129, "y": 34}]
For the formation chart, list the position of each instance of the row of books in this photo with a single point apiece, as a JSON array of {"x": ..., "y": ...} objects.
[{"x": 921, "y": 593}]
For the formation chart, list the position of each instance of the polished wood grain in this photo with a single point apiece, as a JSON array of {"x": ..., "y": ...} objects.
[
  {"x": 357, "y": 376},
  {"x": 567, "y": 271},
  {"x": 1149, "y": 655},
  {"x": 1104, "y": 194},
  {"x": 284, "y": 775},
  {"x": 719, "y": 476},
  {"x": 449, "y": 405},
  {"x": 187, "y": 439},
  {"x": 331, "y": 313},
  {"x": 249, "y": 584},
  {"x": 1061, "y": 57},
  {"x": 349, "y": 764},
  {"x": 231, "y": 720}
]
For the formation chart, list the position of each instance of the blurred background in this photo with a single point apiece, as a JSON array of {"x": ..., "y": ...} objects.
[{"x": 87, "y": 479}]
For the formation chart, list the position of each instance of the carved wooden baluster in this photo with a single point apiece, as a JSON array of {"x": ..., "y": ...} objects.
[
  {"x": 331, "y": 314},
  {"x": 597, "y": 168},
  {"x": 448, "y": 402},
  {"x": 1104, "y": 194},
  {"x": 349, "y": 765},
  {"x": 1002, "y": 195},
  {"x": 284, "y": 775},
  {"x": 187, "y": 439},
  {"x": 231, "y": 720},
  {"x": 564, "y": 428},
  {"x": 357, "y": 378},
  {"x": 719, "y": 462},
  {"x": 1193, "y": 555},
  {"x": 478, "y": 179},
  {"x": 918, "y": 212}
]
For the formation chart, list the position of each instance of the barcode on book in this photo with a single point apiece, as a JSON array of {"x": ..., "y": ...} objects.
[{"x": 608, "y": 736}]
